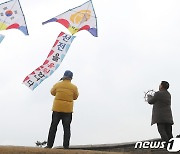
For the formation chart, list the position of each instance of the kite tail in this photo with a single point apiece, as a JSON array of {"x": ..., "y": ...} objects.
[{"x": 52, "y": 62}]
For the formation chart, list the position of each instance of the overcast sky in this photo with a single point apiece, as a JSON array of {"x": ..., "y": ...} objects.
[{"x": 138, "y": 47}]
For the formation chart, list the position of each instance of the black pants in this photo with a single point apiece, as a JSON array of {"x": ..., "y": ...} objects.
[
  {"x": 66, "y": 122},
  {"x": 165, "y": 131}
]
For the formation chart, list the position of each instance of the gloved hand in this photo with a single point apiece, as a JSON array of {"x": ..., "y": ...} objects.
[{"x": 149, "y": 97}]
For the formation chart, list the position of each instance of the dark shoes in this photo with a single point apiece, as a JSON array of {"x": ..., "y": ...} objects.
[
  {"x": 66, "y": 147},
  {"x": 47, "y": 147}
]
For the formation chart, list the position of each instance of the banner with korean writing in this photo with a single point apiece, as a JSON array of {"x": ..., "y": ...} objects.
[{"x": 52, "y": 62}]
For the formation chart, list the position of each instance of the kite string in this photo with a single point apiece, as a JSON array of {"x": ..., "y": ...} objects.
[{"x": 6, "y": 16}]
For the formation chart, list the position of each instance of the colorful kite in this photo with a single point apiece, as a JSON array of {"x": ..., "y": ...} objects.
[
  {"x": 79, "y": 18},
  {"x": 1, "y": 37},
  {"x": 11, "y": 16},
  {"x": 52, "y": 62}
]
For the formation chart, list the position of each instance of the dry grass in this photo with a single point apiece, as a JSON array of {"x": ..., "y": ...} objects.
[{"x": 32, "y": 150}]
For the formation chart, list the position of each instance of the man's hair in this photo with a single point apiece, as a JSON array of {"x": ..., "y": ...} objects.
[{"x": 165, "y": 84}]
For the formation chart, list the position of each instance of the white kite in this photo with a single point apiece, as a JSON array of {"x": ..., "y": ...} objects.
[
  {"x": 82, "y": 17},
  {"x": 11, "y": 16}
]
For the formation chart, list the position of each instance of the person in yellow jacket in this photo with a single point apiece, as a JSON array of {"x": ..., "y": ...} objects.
[{"x": 65, "y": 92}]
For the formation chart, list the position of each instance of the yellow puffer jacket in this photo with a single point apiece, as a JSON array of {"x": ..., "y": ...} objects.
[{"x": 65, "y": 92}]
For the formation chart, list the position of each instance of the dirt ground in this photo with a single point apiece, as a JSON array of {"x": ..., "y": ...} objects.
[{"x": 34, "y": 150}]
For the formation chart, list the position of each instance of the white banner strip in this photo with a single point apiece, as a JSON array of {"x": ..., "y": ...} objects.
[{"x": 52, "y": 62}]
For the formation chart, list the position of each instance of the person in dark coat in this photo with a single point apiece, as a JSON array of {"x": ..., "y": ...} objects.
[{"x": 161, "y": 112}]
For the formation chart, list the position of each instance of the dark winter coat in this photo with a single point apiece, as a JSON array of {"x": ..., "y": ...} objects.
[{"x": 161, "y": 112}]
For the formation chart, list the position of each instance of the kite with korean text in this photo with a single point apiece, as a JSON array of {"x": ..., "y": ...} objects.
[
  {"x": 79, "y": 18},
  {"x": 11, "y": 16},
  {"x": 52, "y": 61}
]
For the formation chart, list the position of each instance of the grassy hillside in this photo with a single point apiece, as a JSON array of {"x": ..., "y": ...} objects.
[{"x": 33, "y": 150}]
